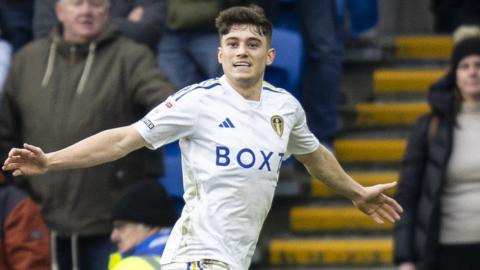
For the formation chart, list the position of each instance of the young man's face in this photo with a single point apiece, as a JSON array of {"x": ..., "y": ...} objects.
[
  {"x": 127, "y": 235},
  {"x": 82, "y": 20},
  {"x": 244, "y": 54}
]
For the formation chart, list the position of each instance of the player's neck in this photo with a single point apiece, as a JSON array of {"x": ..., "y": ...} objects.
[{"x": 249, "y": 91}]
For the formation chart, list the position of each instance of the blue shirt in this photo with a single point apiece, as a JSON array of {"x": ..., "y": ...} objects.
[{"x": 153, "y": 245}]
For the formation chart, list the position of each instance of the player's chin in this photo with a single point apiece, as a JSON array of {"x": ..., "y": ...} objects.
[
  {"x": 245, "y": 77},
  {"x": 242, "y": 75}
]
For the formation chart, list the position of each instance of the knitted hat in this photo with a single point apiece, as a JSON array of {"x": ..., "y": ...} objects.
[
  {"x": 466, "y": 47},
  {"x": 148, "y": 203}
]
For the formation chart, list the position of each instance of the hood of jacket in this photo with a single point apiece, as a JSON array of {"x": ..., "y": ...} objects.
[
  {"x": 109, "y": 34},
  {"x": 76, "y": 52}
]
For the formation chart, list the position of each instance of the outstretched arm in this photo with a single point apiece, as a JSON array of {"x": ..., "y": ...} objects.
[
  {"x": 370, "y": 200},
  {"x": 102, "y": 147}
]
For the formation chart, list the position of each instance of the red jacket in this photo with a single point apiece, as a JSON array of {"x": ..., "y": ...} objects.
[{"x": 24, "y": 237}]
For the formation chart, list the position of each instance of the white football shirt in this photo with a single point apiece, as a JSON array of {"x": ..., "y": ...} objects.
[{"x": 232, "y": 149}]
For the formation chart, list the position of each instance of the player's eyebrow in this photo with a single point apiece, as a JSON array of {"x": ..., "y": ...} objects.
[
  {"x": 232, "y": 39},
  {"x": 248, "y": 39},
  {"x": 255, "y": 39}
]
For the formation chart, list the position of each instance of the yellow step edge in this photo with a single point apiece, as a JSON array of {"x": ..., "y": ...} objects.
[
  {"x": 332, "y": 219},
  {"x": 318, "y": 189},
  {"x": 391, "y": 80},
  {"x": 368, "y": 251},
  {"x": 369, "y": 150},
  {"x": 409, "y": 47},
  {"x": 369, "y": 114}
]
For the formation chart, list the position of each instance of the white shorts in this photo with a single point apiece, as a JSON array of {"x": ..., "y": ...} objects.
[{"x": 200, "y": 265}]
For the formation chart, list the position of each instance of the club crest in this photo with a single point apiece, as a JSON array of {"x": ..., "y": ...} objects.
[{"x": 277, "y": 124}]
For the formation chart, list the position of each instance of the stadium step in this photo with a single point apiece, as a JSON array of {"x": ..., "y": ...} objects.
[
  {"x": 384, "y": 114},
  {"x": 316, "y": 219},
  {"x": 366, "y": 178},
  {"x": 405, "y": 80},
  {"x": 331, "y": 251},
  {"x": 423, "y": 47},
  {"x": 369, "y": 150}
]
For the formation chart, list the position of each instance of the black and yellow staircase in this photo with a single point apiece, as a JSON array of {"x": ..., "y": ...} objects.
[{"x": 325, "y": 231}]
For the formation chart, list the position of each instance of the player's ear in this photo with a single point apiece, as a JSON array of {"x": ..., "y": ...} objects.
[
  {"x": 270, "y": 56},
  {"x": 219, "y": 55}
]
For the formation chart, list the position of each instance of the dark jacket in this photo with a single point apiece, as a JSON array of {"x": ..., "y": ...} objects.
[
  {"x": 422, "y": 179},
  {"x": 57, "y": 94},
  {"x": 147, "y": 31},
  {"x": 24, "y": 237}
]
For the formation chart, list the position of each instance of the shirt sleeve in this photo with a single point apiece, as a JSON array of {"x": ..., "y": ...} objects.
[
  {"x": 301, "y": 140},
  {"x": 173, "y": 119}
]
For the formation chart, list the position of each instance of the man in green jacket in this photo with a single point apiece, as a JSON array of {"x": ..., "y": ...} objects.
[{"x": 80, "y": 80}]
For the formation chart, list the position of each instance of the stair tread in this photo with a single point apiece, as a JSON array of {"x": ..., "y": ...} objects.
[
  {"x": 382, "y": 114},
  {"x": 331, "y": 251},
  {"x": 423, "y": 46},
  {"x": 369, "y": 150},
  {"x": 405, "y": 80},
  {"x": 332, "y": 218}
]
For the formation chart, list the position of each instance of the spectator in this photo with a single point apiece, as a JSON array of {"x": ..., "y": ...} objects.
[
  {"x": 24, "y": 237},
  {"x": 81, "y": 79},
  {"x": 142, "y": 221},
  {"x": 321, "y": 81},
  {"x": 187, "y": 52},
  {"x": 322, "y": 25},
  {"x": 140, "y": 20},
  {"x": 439, "y": 186}
]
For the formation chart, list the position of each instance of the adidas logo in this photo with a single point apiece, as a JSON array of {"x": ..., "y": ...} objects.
[{"x": 226, "y": 124}]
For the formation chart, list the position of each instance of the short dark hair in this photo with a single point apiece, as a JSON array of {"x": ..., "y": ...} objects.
[{"x": 240, "y": 15}]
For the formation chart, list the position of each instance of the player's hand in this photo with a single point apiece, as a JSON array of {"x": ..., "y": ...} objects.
[
  {"x": 407, "y": 266},
  {"x": 30, "y": 160},
  {"x": 379, "y": 206}
]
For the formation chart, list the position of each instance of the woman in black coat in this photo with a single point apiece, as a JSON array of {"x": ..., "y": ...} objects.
[{"x": 439, "y": 191}]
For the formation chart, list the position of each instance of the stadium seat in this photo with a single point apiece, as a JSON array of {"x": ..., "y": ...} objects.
[
  {"x": 172, "y": 180},
  {"x": 286, "y": 70}
]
